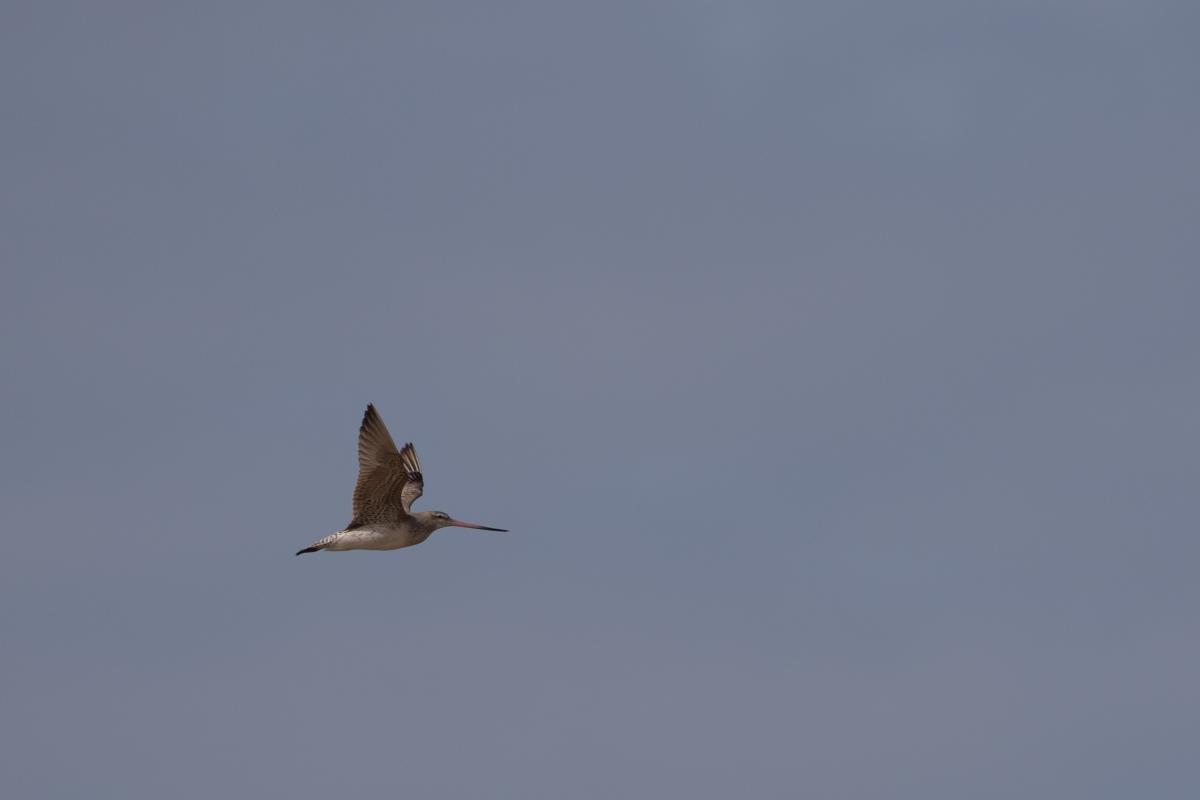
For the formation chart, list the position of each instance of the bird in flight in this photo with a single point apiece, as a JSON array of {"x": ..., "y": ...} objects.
[{"x": 389, "y": 480}]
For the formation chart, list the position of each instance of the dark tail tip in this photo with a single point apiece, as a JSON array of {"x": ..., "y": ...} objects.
[{"x": 308, "y": 550}]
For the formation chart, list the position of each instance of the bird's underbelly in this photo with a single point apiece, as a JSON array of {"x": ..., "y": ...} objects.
[{"x": 377, "y": 538}]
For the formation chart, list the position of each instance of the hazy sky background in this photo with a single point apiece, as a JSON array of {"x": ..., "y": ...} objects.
[{"x": 834, "y": 365}]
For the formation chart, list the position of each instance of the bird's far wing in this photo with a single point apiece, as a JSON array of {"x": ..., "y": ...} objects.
[
  {"x": 383, "y": 491},
  {"x": 415, "y": 483}
]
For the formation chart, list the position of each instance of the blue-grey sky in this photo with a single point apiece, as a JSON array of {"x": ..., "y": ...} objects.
[{"x": 834, "y": 365}]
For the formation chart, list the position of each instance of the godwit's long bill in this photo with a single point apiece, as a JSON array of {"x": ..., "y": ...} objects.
[{"x": 389, "y": 480}]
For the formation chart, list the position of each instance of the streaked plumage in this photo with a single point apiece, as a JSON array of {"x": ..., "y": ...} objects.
[{"x": 389, "y": 481}]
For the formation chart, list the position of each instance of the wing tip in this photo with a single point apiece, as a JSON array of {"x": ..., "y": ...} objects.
[
  {"x": 412, "y": 464},
  {"x": 372, "y": 424}
]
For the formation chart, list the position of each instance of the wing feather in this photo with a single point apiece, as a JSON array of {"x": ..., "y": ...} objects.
[{"x": 389, "y": 480}]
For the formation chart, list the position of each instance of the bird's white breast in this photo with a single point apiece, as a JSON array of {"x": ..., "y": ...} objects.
[{"x": 378, "y": 537}]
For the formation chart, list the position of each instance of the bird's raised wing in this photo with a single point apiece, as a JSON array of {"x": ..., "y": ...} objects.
[{"x": 389, "y": 480}]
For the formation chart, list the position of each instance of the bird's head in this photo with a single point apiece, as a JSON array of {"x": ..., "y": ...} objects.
[{"x": 440, "y": 519}]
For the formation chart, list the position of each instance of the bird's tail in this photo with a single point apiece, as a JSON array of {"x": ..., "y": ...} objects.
[{"x": 320, "y": 544}]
